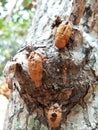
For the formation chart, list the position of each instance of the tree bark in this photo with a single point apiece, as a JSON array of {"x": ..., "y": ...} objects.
[{"x": 68, "y": 76}]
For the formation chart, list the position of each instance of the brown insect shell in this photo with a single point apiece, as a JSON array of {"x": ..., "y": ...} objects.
[
  {"x": 35, "y": 67},
  {"x": 63, "y": 34},
  {"x": 54, "y": 115}
]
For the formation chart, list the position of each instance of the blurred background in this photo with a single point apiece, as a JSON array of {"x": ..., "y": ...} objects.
[{"x": 15, "y": 20}]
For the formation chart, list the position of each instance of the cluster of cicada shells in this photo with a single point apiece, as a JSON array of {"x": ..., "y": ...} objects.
[
  {"x": 63, "y": 34},
  {"x": 54, "y": 115},
  {"x": 35, "y": 67}
]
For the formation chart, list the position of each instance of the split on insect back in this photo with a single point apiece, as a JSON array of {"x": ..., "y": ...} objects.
[
  {"x": 63, "y": 34},
  {"x": 54, "y": 115},
  {"x": 35, "y": 66}
]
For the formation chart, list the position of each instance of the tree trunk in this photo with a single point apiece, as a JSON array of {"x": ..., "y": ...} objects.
[{"x": 56, "y": 88}]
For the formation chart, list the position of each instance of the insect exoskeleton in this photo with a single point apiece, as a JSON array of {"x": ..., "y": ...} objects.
[
  {"x": 54, "y": 115},
  {"x": 35, "y": 66},
  {"x": 63, "y": 34}
]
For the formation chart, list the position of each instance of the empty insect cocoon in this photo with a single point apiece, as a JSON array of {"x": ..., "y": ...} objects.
[
  {"x": 63, "y": 34},
  {"x": 35, "y": 66},
  {"x": 54, "y": 115}
]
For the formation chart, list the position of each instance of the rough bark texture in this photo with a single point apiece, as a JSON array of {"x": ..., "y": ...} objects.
[{"x": 69, "y": 75}]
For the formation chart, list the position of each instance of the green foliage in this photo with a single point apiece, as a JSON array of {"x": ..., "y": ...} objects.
[
  {"x": 13, "y": 29},
  {"x": 3, "y": 2},
  {"x": 26, "y": 2}
]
